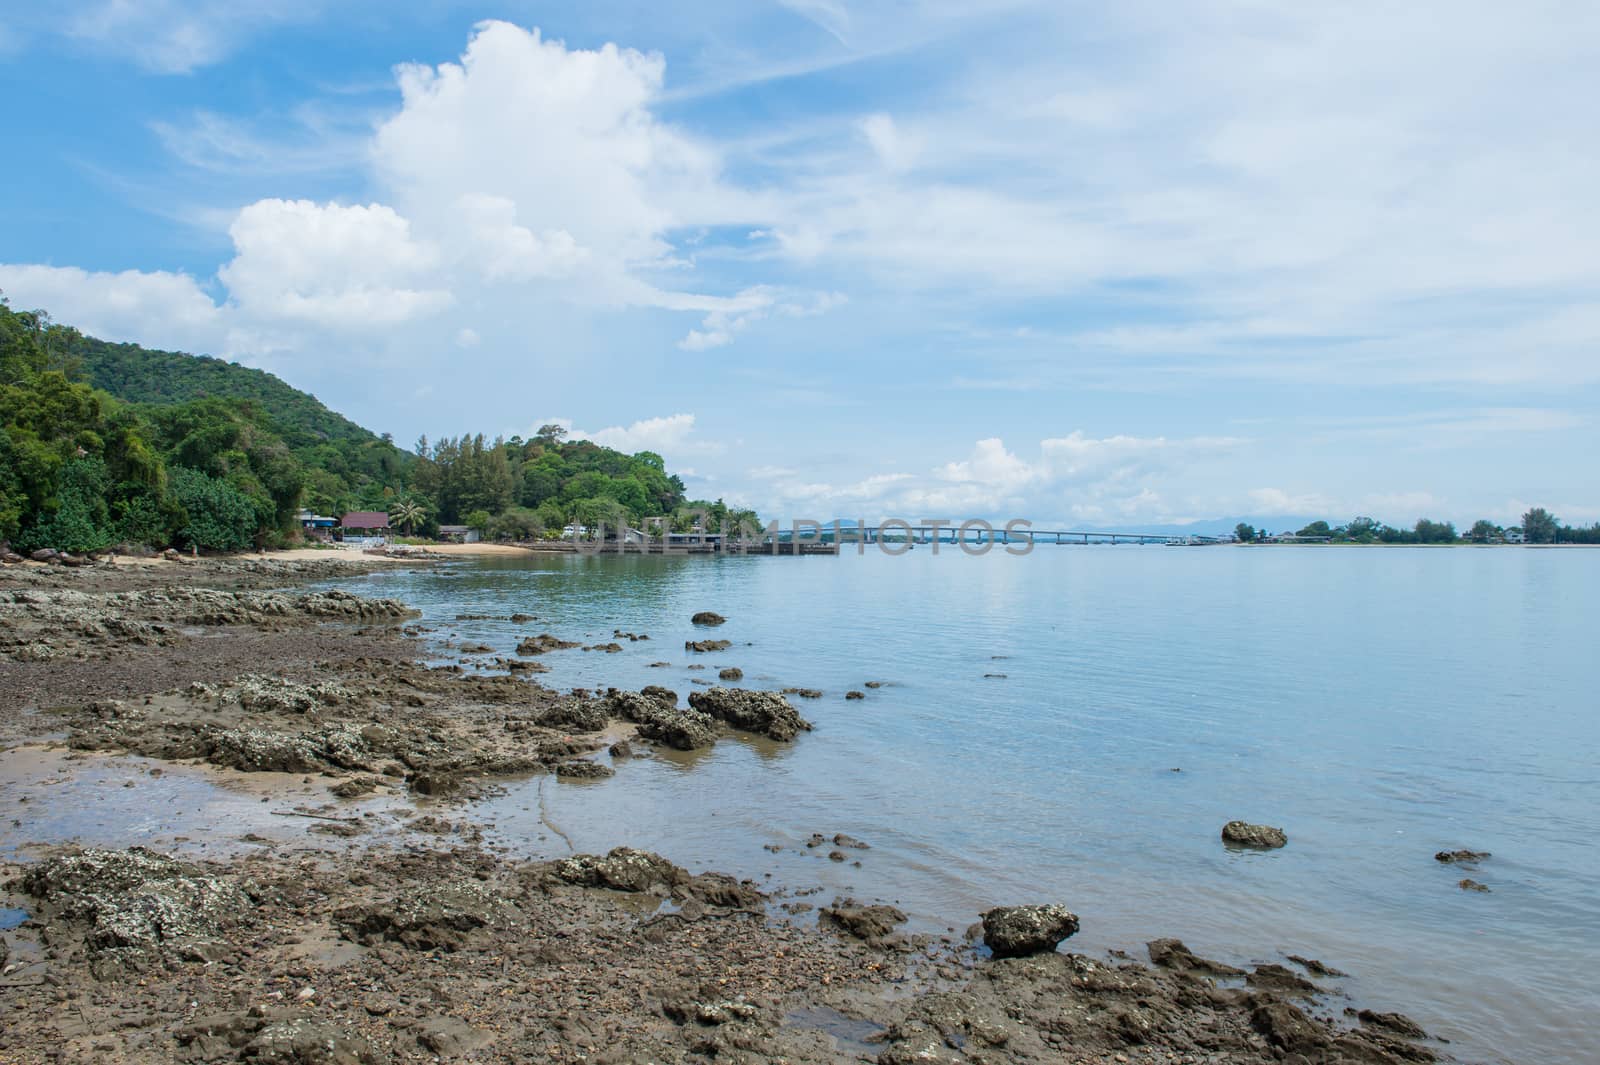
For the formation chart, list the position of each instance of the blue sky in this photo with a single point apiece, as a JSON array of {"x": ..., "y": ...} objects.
[{"x": 1090, "y": 264}]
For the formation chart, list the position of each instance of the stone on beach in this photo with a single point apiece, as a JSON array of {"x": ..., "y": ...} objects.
[
  {"x": 708, "y": 617},
  {"x": 1017, "y": 931},
  {"x": 766, "y": 713},
  {"x": 1260, "y": 837}
]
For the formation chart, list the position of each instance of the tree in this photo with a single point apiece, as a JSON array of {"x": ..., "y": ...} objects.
[
  {"x": 550, "y": 435},
  {"x": 1482, "y": 531},
  {"x": 1316, "y": 528},
  {"x": 478, "y": 521},
  {"x": 1540, "y": 526},
  {"x": 1435, "y": 532},
  {"x": 1362, "y": 530},
  {"x": 407, "y": 514},
  {"x": 216, "y": 515},
  {"x": 1245, "y": 533}
]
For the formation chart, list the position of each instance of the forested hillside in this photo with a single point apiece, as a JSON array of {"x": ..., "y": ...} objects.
[
  {"x": 140, "y": 375},
  {"x": 108, "y": 443}
]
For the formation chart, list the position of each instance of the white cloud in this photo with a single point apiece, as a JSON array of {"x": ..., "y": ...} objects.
[
  {"x": 174, "y": 37},
  {"x": 339, "y": 267},
  {"x": 670, "y": 436},
  {"x": 1073, "y": 479},
  {"x": 166, "y": 309}
]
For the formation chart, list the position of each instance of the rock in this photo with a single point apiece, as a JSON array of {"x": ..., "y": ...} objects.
[
  {"x": 1287, "y": 1028},
  {"x": 836, "y": 856},
  {"x": 1016, "y": 931},
  {"x": 1398, "y": 1023},
  {"x": 436, "y": 917},
  {"x": 450, "y": 1037},
  {"x": 43, "y": 554},
  {"x": 804, "y": 693},
  {"x": 708, "y": 617},
  {"x": 1278, "y": 978},
  {"x": 583, "y": 770},
  {"x": 540, "y": 644},
  {"x": 355, "y": 787},
  {"x": 766, "y": 713},
  {"x": 873, "y": 684},
  {"x": 1315, "y": 967},
  {"x": 706, "y": 646},
  {"x": 665, "y": 696},
  {"x": 622, "y": 869},
  {"x": 842, "y": 840},
  {"x": 1259, "y": 837},
  {"x": 1172, "y": 954},
  {"x": 304, "y": 1042},
  {"x": 861, "y": 920},
  {"x": 620, "y": 749},
  {"x": 731, "y": 673},
  {"x": 855, "y": 695},
  {"x": 1466, "y": 856},
  {"x": 661, "y": 721},
  {"x": 1472, "y": 885},
  {"x": 576, "y": 713},
  {"x": 141, "y": 908}
]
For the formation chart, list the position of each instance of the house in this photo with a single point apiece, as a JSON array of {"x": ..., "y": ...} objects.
[
  {"x": 1515, "y": 536},
  {"x": 364, "y": 524},
  {"x": 316, "y": 526},
  {"x": 458, "y": 534}
]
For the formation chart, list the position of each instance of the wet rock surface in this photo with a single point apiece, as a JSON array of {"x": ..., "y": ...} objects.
[
  {"x": 1017, "y": 931},
  {"x": 766, "y": 713},
  {"x": 1254, "y": 837},
  {"x": 1463, "y": 857},
  {"x": 708, "y": 617}
]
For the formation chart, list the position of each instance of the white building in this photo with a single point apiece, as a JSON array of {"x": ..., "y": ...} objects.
[{"x": 1515, "y": 536}]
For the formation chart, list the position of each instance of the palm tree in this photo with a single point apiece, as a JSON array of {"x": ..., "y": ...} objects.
[{"x": 406, "y": 514}]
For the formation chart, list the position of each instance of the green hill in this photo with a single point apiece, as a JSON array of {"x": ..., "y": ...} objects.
[
  {"x": 141, "y": 375},
  {"x": 103, "y": 443}
]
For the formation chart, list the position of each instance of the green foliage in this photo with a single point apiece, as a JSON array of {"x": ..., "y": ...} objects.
[
  {"x": 1245, "y": 533},
  {"x": 518, "y": 523},
  {"x": 1316, "y": 528},
  {"x": 1434, "y": 532},
  {"x": 80, "y": 520},
  {"x": 1540, "y": 526},
  {"x": 253, "y": 450},
  {"x": 1483, "y": 531},
  {"x": 217, "y": 516},
  {"x": 477, "y": 520}
]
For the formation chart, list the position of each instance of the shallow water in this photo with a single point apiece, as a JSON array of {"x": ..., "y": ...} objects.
[{"x": 1379, "y": 704}]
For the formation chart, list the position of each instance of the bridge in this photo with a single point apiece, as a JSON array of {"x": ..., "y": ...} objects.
[
  {"x": 812, "y": 538},
  {"x": 978, "y": 533}
]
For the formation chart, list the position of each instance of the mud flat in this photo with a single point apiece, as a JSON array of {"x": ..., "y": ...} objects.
[{"x": 377, "y": 926}]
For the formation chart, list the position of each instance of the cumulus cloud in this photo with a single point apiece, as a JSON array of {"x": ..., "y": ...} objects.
[
  {"x": 340, "y": 267},
  {"x": 168, "y": 309},
  {"x": 669, "y": 436},
  {"x": 1074, "y": 478}
]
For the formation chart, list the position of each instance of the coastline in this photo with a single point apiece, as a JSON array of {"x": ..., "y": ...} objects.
[{"x": 622, "y": 958}]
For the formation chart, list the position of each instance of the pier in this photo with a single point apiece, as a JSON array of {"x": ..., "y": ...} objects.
[{"x": 808, "y": 538}]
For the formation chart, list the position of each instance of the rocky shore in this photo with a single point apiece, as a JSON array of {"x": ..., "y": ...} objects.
[{"x": 364, "y": 947}]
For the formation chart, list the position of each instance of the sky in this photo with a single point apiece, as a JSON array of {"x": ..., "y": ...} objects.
[{"x": 1095, "y": 265}]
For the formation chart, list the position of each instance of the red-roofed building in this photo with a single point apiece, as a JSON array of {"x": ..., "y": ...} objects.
[{"x": 365, "y": 523}]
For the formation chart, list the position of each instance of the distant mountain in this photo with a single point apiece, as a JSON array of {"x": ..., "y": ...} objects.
[{"x": 137, "y": 374}]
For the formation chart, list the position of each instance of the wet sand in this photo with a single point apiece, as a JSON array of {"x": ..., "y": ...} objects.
[{"x": 240, "y": 822}]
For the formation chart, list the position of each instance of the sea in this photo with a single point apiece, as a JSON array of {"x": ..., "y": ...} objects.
[{"x": 1075, "y": 726}]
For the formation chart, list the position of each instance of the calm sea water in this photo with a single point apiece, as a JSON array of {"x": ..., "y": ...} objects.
[{"x": 1378, "y": 704}]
